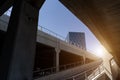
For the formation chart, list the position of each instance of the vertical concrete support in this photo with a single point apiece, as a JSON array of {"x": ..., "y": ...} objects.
[
  {"x": 17, "y": 57},
  {"x": 57, "y": 49},
  {"x": 57, "y": 59},
  {"x": 84, "y": 59}
]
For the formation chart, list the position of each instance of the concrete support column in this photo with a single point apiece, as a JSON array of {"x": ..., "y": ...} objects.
[
  {"x": 57, "y": 59},
  {"x": 57, "y": 50},
  {"x": 17, "y": 57},
  {"x": 84, "y": 59}
]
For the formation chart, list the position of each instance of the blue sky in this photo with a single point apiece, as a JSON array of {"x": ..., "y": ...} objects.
[{"x": 57, "y": 18}]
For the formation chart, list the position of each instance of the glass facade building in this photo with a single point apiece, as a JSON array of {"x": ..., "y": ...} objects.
[{"x": 77, "y": 38}]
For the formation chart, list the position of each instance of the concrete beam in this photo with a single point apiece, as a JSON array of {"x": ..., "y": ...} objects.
[
  {"x": 6, "y": 4},
  {"x": 102, "y": 18},
  {"x": 46, "y": 39},
  {"x": 17, "y": 57}
]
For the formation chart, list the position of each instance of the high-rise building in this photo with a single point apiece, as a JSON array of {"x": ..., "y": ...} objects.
[{"x": 77, "y": 38}]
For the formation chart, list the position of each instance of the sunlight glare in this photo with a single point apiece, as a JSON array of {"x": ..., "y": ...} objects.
[{"x": 100, "y": 51}]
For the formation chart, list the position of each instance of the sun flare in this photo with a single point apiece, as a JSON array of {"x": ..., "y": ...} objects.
[{"x": 100, "y": 51}]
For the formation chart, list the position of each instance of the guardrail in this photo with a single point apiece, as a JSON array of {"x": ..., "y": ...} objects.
[
  {"x": 49, "y": 32},
  {"x": 43, "y": 29},
  {"x": 96, "y": 72},
  {"x": 88, "y": 74},
  {"x": 67, "y": 74},
  {"x": 48, "y": 71}
]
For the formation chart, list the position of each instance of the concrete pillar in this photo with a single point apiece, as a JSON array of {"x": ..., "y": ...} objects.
[
  {"x": 84, "y": 59},
  {"x": 57, "y": 59},
  {"x": 17, "y": 57},
  {"x": 57, "y": 50}
]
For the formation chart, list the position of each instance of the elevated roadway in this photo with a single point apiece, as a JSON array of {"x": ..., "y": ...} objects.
[{"x": 49, "y": 45}]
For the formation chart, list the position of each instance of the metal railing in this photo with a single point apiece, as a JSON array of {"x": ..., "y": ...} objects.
[
  {"x": 88, "y": 74},
  {"x": 108, "y": 73},
  {"x": 48, "y": 71},
  {"x": 96, "y": 72},
  {"x": 101, "y": 69},
  {"x": 43, "y": 29},
  {"x": 49, "y": 32}
]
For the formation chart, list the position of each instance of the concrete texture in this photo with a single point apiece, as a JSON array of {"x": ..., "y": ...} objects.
[
  {"x": 17, "y": 54},
  {"x": 2, "y": 36},
  {"x": 102, "y": 18}
]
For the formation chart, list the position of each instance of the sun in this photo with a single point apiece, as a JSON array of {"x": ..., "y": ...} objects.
[{"x": 100, "y": 51}]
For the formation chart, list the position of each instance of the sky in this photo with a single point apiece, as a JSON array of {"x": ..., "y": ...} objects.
[{"x": 56, "y": 17}]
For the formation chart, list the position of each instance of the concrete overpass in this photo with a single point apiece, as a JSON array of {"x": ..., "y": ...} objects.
[
  {"x": 102, "y": 18},
  {"x": 19, "y": 41},
  {"x": 56, "y": 54}
]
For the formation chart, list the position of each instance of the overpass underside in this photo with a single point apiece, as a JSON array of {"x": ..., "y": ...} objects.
[{"x": 102, "y": 18}]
